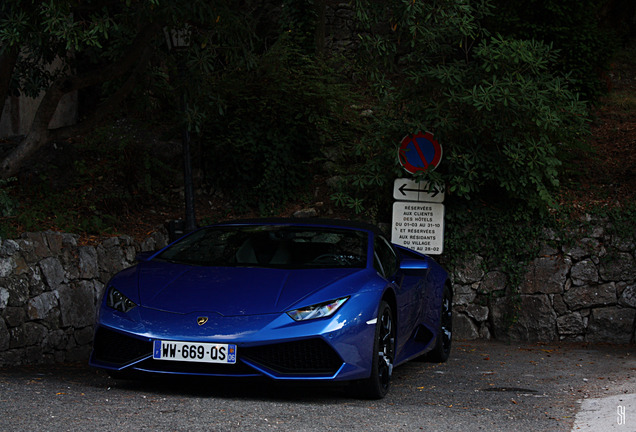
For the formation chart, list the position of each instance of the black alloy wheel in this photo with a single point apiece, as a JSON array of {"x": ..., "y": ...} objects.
[{"x": 377, "y": 385}]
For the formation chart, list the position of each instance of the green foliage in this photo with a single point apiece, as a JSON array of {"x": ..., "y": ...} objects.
[
  {"x": 102, "y": 34},
  {"x": 622, "y": 222},
  {"x": 85, "y": 187},
  {"x": 275, "y": 119},
  {"x": 520, "y": 117},
  {"x": 505, "y": 233},
  {"x": 503, "y": 117},
  {"x": 368, "y": 166},
  {"x": 127, "y": 153},
  {"x": 509, "y": 234},
  {"x": 298, "y": 19},
  {"x": 48, "y": 208},
  {"x": 617, "y": 222},
  {"x": 262, "y": 106},
  {"x": 8, "y": 206},
  {"x": 47, "y": 31},
  {"x": 572, "y": 26}
]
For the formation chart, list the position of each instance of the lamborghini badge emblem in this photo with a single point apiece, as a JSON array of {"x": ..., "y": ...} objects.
[{"x": 202, "y": 320}]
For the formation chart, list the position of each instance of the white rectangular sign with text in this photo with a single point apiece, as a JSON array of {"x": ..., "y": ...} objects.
[{"x": 419, "y": 226}]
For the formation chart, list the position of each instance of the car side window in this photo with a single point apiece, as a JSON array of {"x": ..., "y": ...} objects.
[{"x": 385, "y": 257}]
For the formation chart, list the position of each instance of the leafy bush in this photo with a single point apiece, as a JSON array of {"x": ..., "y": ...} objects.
[
  {"x": 505, "y": 233},
  {"x": 275, "y": 119},
  {"x": 8, "y": 206},
  {"x": 87, "y": 186},
  {"x": 572, "y": 26},
  {"x": 501, "y": 114}
]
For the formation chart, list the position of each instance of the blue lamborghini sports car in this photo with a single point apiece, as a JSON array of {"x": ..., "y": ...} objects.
[{"x": 286, "y": 299}]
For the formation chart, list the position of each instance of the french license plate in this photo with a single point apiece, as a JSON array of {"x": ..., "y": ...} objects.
[{"x": 194, "y": 352}]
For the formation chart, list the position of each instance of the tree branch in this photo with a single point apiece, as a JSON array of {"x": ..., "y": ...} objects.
[
  {"x": 39, "y": 133},
  {"x": 108, "y": 105}
]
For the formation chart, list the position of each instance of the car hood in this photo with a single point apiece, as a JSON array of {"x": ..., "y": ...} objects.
[{"x": 231, "y": 291}]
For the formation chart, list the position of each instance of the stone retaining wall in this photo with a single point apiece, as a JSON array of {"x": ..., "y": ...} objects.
[
  {"x": 339, "y": 26},
  {"x": 50, "y": 286},
  {"x": 49, "y": 289},
  {"x": 581, "y": 292}
]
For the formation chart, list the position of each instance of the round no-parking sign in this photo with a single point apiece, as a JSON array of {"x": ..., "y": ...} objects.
[{"x": 419, "y": 152}]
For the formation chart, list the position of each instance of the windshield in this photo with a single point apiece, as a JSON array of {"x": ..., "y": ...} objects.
[{"x": 270, "y": 246}]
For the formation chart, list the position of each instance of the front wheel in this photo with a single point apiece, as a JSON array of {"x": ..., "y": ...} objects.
[{"x": 377, "y": 385}]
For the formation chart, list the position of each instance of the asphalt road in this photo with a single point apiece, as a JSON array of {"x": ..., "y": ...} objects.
[{"x": 487, "y": 386}]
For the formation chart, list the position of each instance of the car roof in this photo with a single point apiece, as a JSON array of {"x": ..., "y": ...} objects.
[{"x": 320, "y": 222}]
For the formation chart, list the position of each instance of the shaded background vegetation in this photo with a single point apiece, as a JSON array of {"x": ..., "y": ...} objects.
[{"x": 278, "y": 122}]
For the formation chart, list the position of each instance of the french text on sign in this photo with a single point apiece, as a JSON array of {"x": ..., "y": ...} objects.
[{"x": 418, "y": 226}]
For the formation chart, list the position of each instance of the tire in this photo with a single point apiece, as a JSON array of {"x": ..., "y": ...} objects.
[
  {"x": 444, "y": 340},
  {"x": 378, "y": 384}
]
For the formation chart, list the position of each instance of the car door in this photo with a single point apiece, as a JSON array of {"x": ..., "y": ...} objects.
[{"x": 408, "y": 294}]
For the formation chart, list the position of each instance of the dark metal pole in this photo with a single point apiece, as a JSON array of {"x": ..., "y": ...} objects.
[{"x": 188, "y": 190}]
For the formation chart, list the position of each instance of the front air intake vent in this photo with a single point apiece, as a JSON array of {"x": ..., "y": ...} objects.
[{"x": 311, "y": 356}]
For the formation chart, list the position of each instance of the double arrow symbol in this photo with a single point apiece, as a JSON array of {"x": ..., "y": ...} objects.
[{"x": 432, "y": 190}]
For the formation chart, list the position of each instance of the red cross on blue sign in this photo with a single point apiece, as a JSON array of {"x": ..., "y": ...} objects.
[{"x": 419, "y": 152}]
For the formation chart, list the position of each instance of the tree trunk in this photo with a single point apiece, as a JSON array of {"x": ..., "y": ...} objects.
[
  {"x": 39, "y": 134},
  {"x": 7, "y": 64}
]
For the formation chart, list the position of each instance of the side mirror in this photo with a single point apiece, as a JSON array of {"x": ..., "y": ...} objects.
[{"x": 410, "y": 264}]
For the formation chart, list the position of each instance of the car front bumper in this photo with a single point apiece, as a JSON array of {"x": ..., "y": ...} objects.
[{"x": 337, "y": 348}]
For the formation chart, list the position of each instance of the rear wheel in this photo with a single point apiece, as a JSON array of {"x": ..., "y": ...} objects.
[
  {"x": 442, "y": 349},
  {"x": 377, "y": 385}
]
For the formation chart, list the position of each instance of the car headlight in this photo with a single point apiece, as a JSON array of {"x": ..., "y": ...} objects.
[
  {"x": 118, "y": 301},
  {"x": 320, "y": 310}
]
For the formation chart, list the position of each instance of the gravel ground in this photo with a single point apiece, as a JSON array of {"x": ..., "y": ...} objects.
[{"x": 485, "y": 385}]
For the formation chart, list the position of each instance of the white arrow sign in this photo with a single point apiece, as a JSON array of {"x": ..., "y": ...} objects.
[{"x": 409, "y": 190}]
